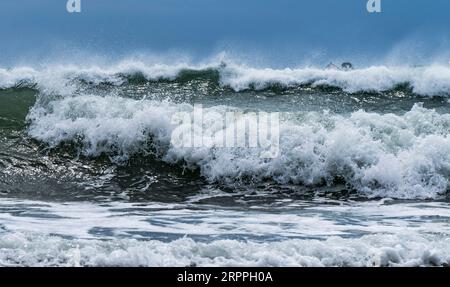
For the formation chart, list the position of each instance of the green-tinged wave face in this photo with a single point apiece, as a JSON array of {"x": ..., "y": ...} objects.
[{"x": 14, "y": 106}]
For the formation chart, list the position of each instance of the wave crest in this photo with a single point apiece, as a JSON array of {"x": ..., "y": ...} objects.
[{"x": 426, "y": 81}]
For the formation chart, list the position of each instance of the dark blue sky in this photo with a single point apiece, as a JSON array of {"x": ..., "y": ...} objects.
[{"x": 284, "y": 31}]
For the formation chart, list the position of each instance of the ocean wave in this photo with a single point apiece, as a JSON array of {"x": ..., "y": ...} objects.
[
  {"x": 28, "y": 249},
  {"x": 431, "y": 80},
  {"x": 399, "y": 156}
]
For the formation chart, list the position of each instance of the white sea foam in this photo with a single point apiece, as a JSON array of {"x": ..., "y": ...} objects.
[
  {"x": 433, "y": 80},
  {"x": 401, "y": 156},
  {"x": 24, "y": 249},
  {"x": 59, "y": 79},
  {"x": 429, "y": 80},
  {"x": 173, "y": 221},
  {"x": 34, "y": 233}
]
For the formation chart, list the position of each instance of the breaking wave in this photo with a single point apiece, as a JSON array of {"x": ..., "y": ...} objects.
[
  {"x": 431, "y": 80},
  {"x": 378, "y": 155}
]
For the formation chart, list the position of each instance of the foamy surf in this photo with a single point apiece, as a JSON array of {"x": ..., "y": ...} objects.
[
  {"x": 399, "y": 156},
  {"x": 432, "y": 80},
  {"x": 21, "y": 249},
  {"x": 307, "y": 234},
  {"x": 104, "y": 136},
  {"x": 224, "y": 134}
]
